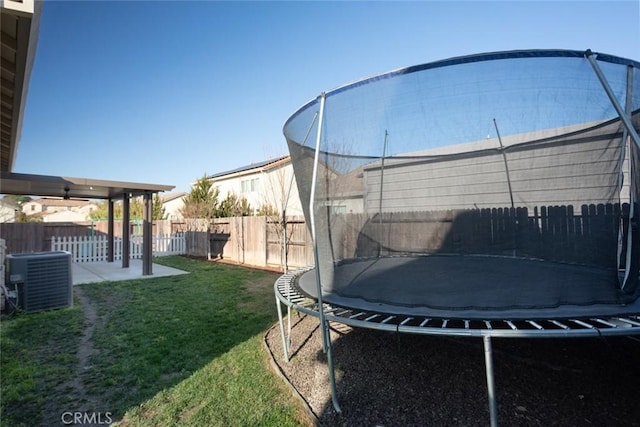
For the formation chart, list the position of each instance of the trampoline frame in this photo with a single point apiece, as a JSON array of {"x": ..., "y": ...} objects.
[{"x": 286, "y": 293}]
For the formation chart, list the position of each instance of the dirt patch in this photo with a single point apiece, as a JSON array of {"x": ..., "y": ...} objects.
[
  {"x": 81, "y": 401},
  {"x": 272, "y": 269},
  {"x": 85, "y": 350},
  {"x": 384, "y": 379},
  {"x": 259, "y": 292}
]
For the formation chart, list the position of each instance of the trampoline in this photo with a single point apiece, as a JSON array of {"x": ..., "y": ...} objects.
[{"x": 493, "y": 195}]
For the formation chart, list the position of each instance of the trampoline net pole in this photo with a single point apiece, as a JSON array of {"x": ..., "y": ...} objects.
[
  {"x": 626, "y": 152},
  {"x": 326, "y": 337},
  {"x": 285, "y": 346},
  {"x": 506, "y": 169},
  {"x": 614, "y": 101},
  {"x": 312, "y": 218},
  {"x": 488, "y": 361},
  {"x": 288, "y": 327},
  {"x": 332, "y": 374},
  {"x": 626, "y": 120}
]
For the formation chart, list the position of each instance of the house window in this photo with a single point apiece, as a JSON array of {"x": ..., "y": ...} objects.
[
  {"x": 249, "y": 185},
  {"x": 33, "y": 208}
]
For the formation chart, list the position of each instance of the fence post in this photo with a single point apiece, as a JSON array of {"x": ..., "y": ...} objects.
[{"x": 266, "y": 239}]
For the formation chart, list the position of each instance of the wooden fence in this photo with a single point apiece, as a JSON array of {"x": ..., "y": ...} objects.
[
  {"x": 37, "y": 236},
  {"x": 94, "y": 248},
  {"x": 251, "y": 240},
  {"x": 560, "y": 233},
  {"x": 588, "y": 235}
]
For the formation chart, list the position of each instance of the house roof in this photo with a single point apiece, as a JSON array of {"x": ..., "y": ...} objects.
[
  {"x": 253, "y": 166},
  {"x": 172, "y": 196},
  {"x": 8, "y": 204},
  {"x": 20, "y": 22}
]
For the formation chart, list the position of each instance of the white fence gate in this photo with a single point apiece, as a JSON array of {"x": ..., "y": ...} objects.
[{"x": 94, "y": 248}]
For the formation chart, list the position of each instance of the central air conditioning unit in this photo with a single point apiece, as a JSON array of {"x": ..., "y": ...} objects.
[{"x": 40, "y": 281}]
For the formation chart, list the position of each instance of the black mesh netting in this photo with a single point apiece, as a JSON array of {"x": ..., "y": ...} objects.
[{"x": 493, "y": 161}]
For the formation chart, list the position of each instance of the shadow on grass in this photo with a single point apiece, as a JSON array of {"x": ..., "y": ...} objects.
[{"x": 149, "y": 336}]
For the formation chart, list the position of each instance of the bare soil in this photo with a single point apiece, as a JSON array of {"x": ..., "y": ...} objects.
[
  {"x": 73, "y": 390},
  {"x": 385, "y": 379}
]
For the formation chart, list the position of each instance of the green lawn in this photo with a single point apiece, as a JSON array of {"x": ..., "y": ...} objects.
[{"x": 181, "y": 350}]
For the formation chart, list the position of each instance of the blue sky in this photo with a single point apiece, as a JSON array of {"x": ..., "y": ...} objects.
[{"x": 164, "y": 92}]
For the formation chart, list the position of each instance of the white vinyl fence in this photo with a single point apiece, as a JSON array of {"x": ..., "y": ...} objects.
[{"x": 94, "y": 248}]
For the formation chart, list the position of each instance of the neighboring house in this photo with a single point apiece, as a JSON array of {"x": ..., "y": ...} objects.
[
  {"x": 563, "y": 168},
  {"x": 172, "y": 204},
  {"x": 268, "y": 183},
  {"x": 8, "y": 211},
  {"x": 76, "y": 210},
  {"x": 65, "y": 216}
]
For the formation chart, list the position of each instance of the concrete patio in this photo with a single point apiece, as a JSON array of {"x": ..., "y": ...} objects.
[{"x": 94, "y": 272}]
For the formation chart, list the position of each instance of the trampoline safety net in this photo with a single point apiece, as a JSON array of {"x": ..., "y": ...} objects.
[{"x": 493, "y": 181}]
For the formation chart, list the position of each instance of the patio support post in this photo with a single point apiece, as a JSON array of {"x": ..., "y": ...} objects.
[
  {"x": 126, "y": 229},
  {"x": 147, "y": 230},
  {"x": 110, "y": 234}
]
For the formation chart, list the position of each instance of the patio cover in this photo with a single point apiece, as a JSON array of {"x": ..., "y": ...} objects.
[
  {"x": 84, "y": 188},
  {"x": 66, "y": 187}
]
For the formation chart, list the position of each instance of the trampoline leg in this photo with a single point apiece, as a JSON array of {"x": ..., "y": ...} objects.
[
  {"x": 285, "y": 339},
  {"x": 488, "y": 361},
  {"x": 332, "y": 373},
  {"x": 288, "y": 327}
]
